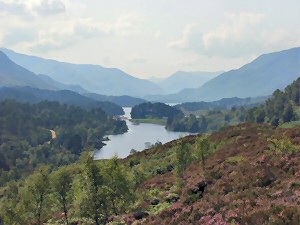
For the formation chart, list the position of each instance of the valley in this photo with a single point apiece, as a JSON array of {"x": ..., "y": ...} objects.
[{"x": 149, "y": 112}]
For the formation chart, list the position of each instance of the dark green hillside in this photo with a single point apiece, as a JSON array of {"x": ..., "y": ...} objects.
[
  {"x": 225, "y": 103},
  {"x": 34, "y": 95},
  {"x": 155, "y": 110},
  {"x": 124, "y": 101},
  {"x": 282, "y": 107}
]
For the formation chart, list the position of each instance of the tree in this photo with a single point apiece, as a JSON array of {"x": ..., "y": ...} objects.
[
  {"x": 62, "y": 184},
  {"x": 91, "y": 195},
  {"x": 10, "y": 210},
  {"x": 183, "y": 158},
  {"x": 288, "y": 113},
  {"x": 117, "y": 180},
  {"x": 260, "y": 115},
  {"x": 202, "y": 148},
  {"x": 36, "y": 191}
]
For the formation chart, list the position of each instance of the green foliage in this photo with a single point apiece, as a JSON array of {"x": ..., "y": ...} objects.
[
  {"x": 291, "y": 124},
  {"x": 90, "y": 195},
  {"x": 183, "y": 155},
  {"x": 280, "y": 108},
  {"x": 10, "y": 209},
  {"x": 208, "y": 121},
  {"x": 61, "y": 181},
  {"x": 25, "y": 138},
  {"x": 35, "y": 195},
  {"x": 155, "y": 110},
  {"x": 160, "y": 207},
  {"x": 282, "y": 145},
  {"x": 202, "y": 148},
  {"x": 189, "y": 124},
  {"x": 119, "y": 186},
  {"x": 235, "y": 159},
  {"x": 153, "y": 121}
]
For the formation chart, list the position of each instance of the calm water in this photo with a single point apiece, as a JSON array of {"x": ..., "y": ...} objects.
[{"x": 135, "y": 138}]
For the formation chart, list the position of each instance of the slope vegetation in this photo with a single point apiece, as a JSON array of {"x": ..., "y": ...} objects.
[
  {"x": 247, "y": 179},
  {"x": 34, "y": 95}
]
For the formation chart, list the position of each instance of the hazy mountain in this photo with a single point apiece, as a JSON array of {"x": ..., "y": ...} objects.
[
  {"x": 94, "y": 78},
  {"x": 61, "y": 86},
  {"x": 12, "y": 74},
  {"x": 260, "y": 77},
  {"x": 181, "y": 80},
  {"x": 124, "y": 101},
  {"x": 34, "y": 95}
]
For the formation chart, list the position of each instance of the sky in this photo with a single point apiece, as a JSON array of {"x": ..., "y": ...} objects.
[{"x": 151, "y": 38}]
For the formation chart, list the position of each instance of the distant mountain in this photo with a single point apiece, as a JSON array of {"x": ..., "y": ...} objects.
[
  {"x": 12, "y": 74},
  {"x": 61, "y": 86},
  {"x": 181, "y": 80},
  {"x": 94, "y": 78},
  {"x": 258, "y": 78},
  {"x": 124, "y": 101},
  {"x": 34, "y": 95}
]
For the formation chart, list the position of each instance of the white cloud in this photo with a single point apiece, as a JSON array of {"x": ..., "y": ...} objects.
[
  {"x": 15, "y": 8},
  {"x": 128, "y": 24},
  {"x": 49, "y": 7},
  {"x": 191, "y": 38},
  {"x": 58, "y": 34},
  {"x": 241, "y": 34},
  {"x": 31, "y": 8}
]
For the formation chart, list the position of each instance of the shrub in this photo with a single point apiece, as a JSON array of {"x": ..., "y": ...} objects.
[{"x": 283, "y": 145}]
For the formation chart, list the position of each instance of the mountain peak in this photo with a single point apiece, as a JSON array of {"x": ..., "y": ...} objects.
[
  {"x": 93, "y": 78},
  {"x": 4, "y": 58}
]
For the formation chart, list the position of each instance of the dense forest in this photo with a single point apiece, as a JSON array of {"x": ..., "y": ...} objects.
[
  {"x": 26, "y": 141},
  {"x": 35, "y": 95},
  {"x": 223, "y": 104},
  {"x": 281, "y": 108},
  {"x": 155, "y": 110}
]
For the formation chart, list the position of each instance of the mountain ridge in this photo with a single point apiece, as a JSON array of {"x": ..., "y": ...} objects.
[
  {"x": 35, "y": 95},
  {"x": 259, "y": 77},
  {"x": 183, "y": 79},
  {"x": 94, "y": 78}
]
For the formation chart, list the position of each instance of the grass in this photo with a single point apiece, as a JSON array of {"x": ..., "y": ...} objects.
[
  {"x": 235, "y": 159},
  {"x": 153, "y": 121},
  {"x": 290, "y": 124}
]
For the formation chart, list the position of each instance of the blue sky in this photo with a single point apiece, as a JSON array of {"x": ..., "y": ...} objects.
[{"x": 149, "y": 38}]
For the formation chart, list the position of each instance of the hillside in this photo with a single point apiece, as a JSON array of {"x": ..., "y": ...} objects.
[
  {"x": 282, "y": 108},
  {"x": 60, "y": 86},
  {"x": 181, "y": 80},
  {"x": 12, "y": 74},
  {"x": 124, "y": 100},
  {"x": 249, "y": 174},
  {"x": 94, "y": 78},
  {"x": 245, "y": 181},
  {"x": 224, "y": 103},
  {"x": 34, "y": 95},
  {"x": 27, "y": 141},
  {"x": 260, "y": 77}
]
